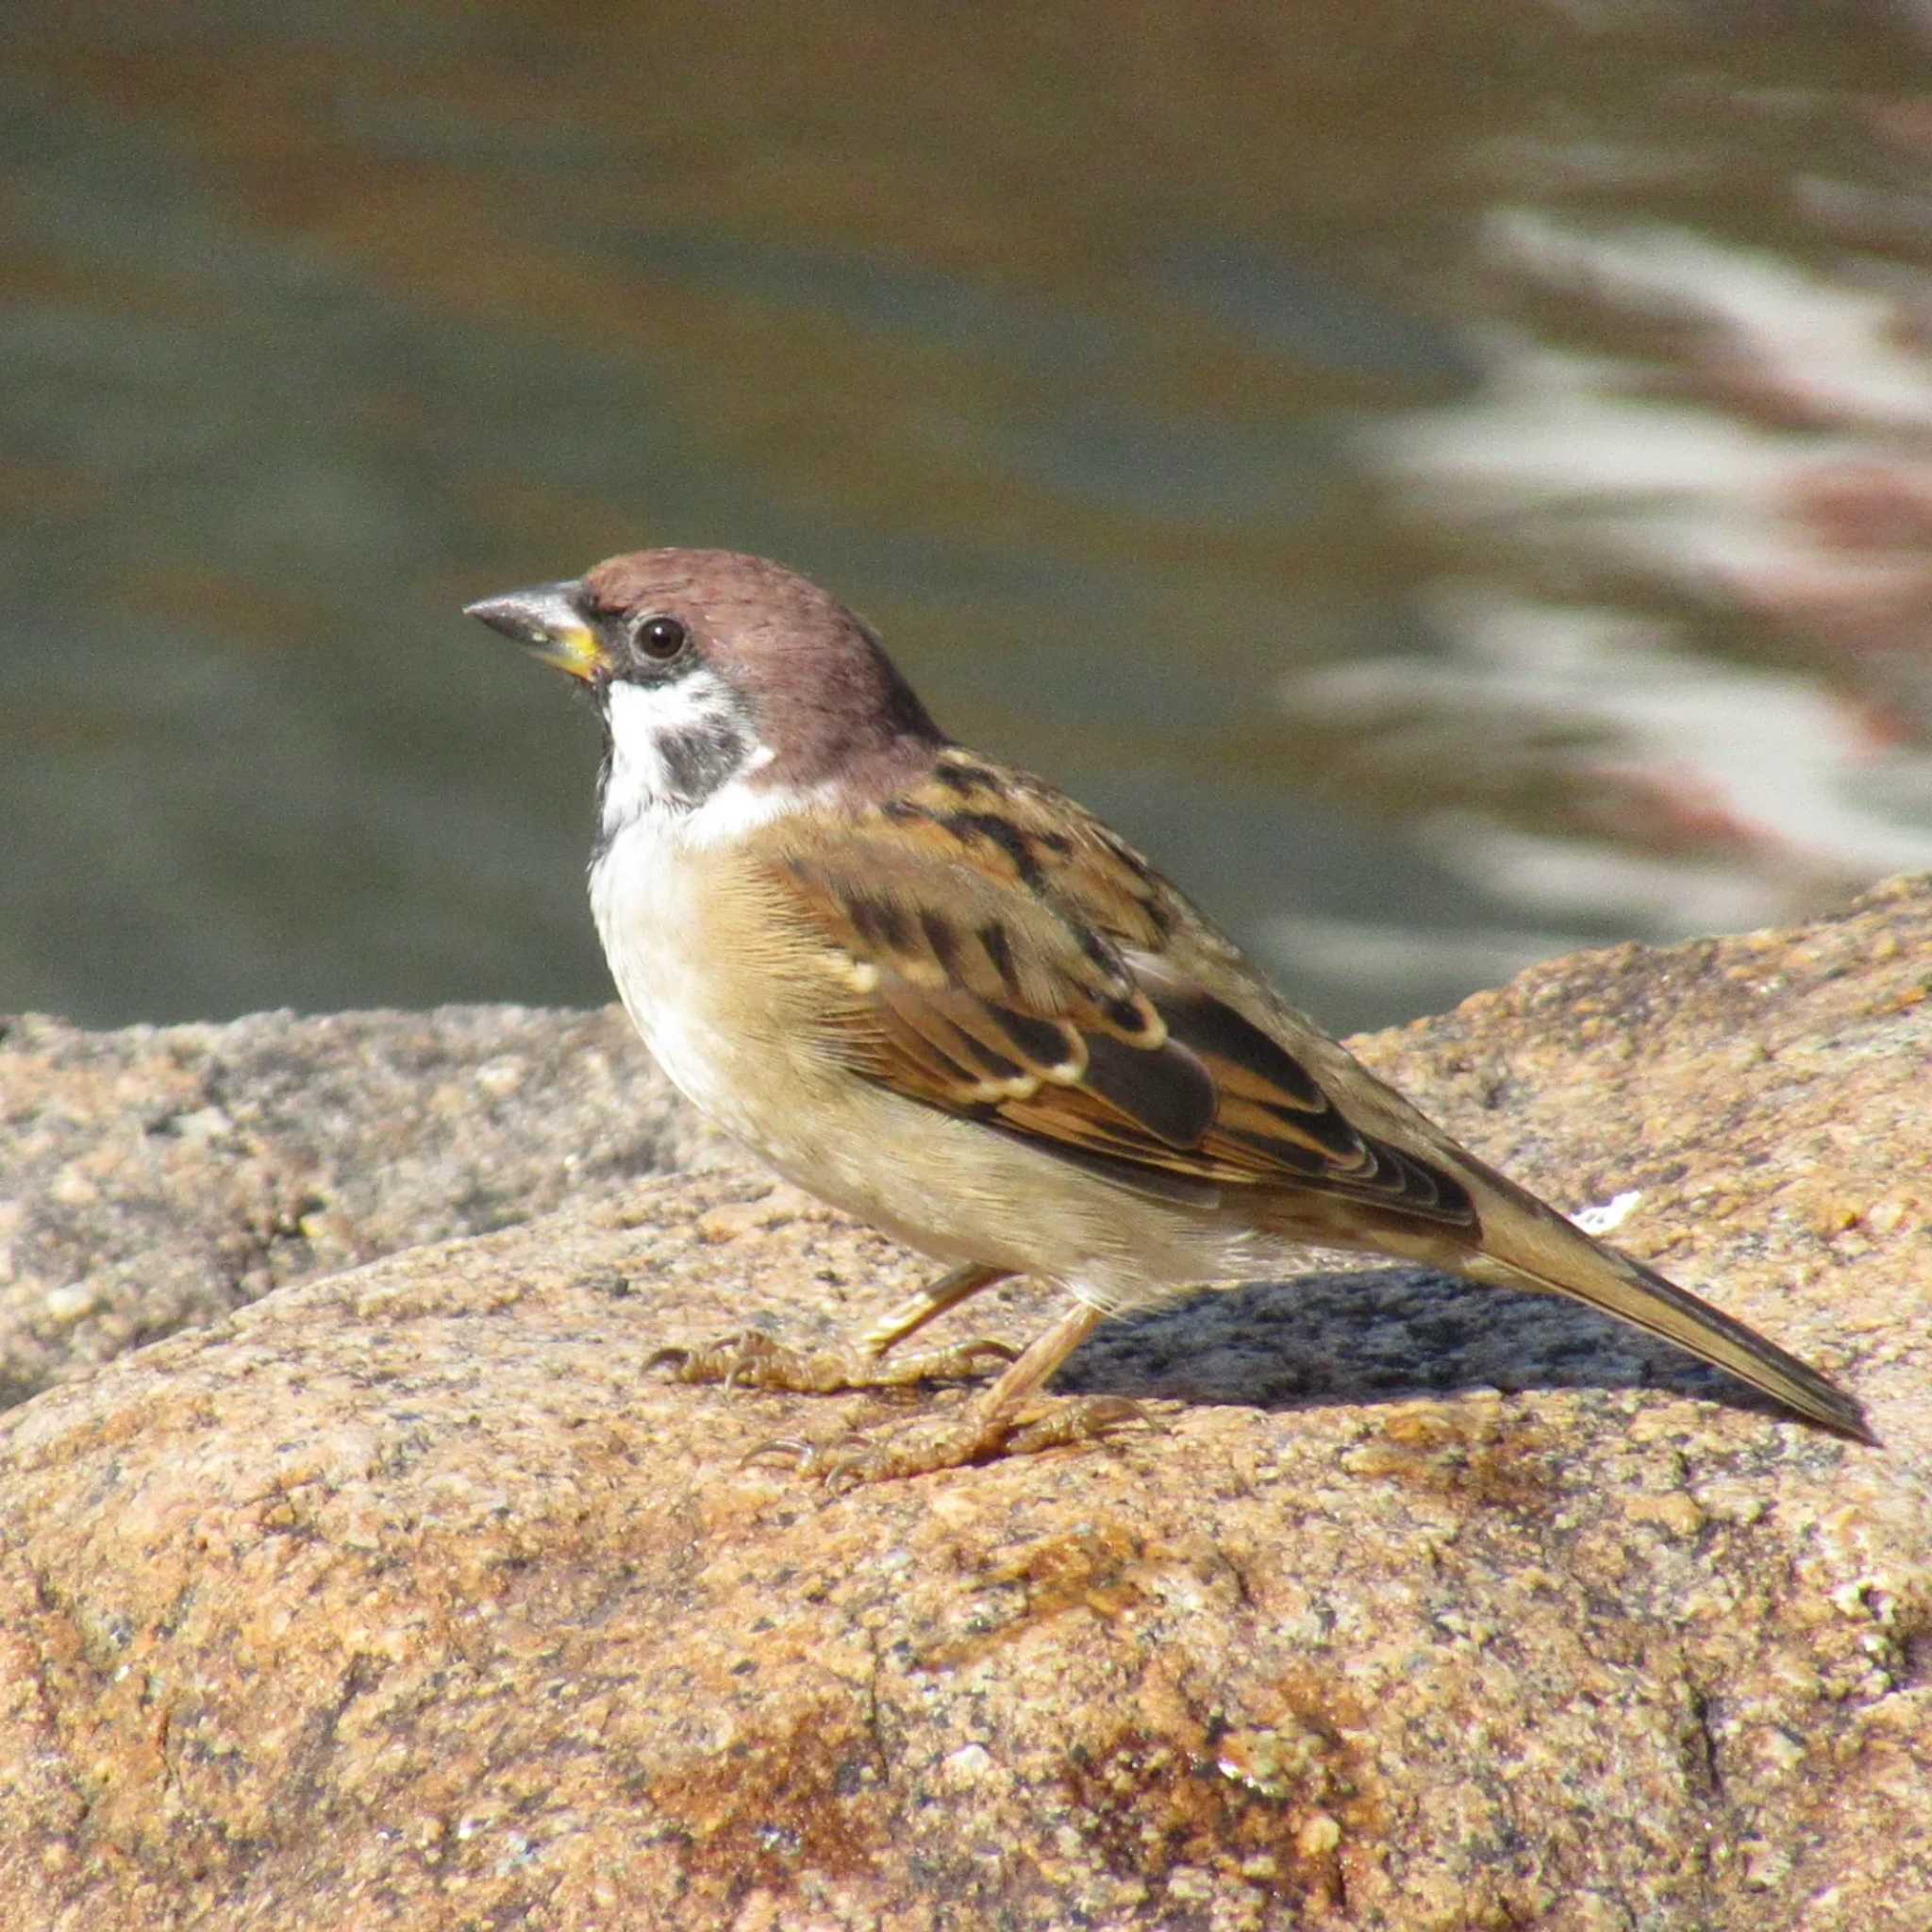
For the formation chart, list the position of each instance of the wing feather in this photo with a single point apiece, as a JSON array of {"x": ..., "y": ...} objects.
[{"x": 998, "y": 953}]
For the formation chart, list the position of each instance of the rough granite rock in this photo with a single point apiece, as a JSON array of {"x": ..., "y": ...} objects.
[
  {"x": 160, "y": 1176},
  {"x": 405, "y": 1598}
]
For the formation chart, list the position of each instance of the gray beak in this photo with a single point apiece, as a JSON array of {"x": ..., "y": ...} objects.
[{"x": 546, "y": 622}]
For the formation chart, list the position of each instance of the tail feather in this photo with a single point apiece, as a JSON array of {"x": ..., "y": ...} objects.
[{"x": 1528, "y": 1245}]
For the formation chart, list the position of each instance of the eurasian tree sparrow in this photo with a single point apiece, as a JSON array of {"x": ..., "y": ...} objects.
[{"x": 937, "y": 994}]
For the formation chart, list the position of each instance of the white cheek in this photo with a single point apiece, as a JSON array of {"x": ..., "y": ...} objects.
[
  {"x": 641, "y": 717},
  {"x": 637, "y": 796}
]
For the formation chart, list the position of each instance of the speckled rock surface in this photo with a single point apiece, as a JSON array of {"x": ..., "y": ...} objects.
[
  {"x": 405, "y": 1598},
  {"x": 160, "y": 1176}
]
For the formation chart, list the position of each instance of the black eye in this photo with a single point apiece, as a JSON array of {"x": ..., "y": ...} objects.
[{"x": 662, "y": 637}]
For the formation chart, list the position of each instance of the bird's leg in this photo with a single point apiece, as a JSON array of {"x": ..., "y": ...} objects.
[
  {"x": 992, "y": 1426},
  {"x": 754, "y": 1360},
  {"x": 925, "y": 1305}
]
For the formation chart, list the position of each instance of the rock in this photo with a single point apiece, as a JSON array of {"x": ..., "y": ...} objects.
[
  {"x": 405, "y": 1598},
  {"x": 160, "y": 1176}
]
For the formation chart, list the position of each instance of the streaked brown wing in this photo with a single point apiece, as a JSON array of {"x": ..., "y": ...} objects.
[{"x": 1014, "y": 964}]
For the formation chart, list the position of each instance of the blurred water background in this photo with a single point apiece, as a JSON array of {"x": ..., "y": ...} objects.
[{"x": 1454, "y": 483}]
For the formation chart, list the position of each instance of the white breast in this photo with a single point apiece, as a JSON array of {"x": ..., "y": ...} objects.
[
  {"x": 647, "y": 886},
  {"x": 643, "y": 896}
]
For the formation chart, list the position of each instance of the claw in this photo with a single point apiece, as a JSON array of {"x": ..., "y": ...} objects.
[
  {"x": 989, "y": 1428},
  {"x": 839, "y": 1469},
  {"x": 1085, "y": 1419},
  {"x": 751, "y": 1359},
  {"x": 956, "y": 1441},
  {"x": 937, "y": 1361}
]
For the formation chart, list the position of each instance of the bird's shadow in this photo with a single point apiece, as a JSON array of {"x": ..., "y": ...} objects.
[{"x": 1379, "y": 1335}]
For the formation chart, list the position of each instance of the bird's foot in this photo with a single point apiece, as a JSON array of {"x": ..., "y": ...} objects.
[
  {"x": 986, "y": 1432},
  {"x": 750, "y": 1359}
]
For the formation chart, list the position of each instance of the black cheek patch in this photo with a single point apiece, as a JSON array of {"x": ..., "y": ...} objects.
[{"x": 699, "y": 759}]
